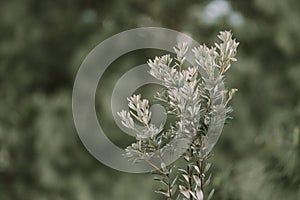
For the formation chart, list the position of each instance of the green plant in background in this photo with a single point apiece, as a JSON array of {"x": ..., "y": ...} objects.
[
  {"x": 41, "y": 156},
  {"x": 196, "y": 97}
]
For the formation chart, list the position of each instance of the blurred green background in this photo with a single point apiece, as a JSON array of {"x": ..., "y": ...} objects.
[{"x": 42, "y": 44}]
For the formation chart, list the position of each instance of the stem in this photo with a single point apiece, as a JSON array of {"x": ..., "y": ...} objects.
[
  {"x": 200, "y": 165},
  {"x": 164, "y": 173},
  {"x": 155, "y": 167},
  {"x": 201, "y": 173},
  {"x": 190, "y": 173},
  {"x": 169, "y": 187},
  {"x": 168, "y": 177}
]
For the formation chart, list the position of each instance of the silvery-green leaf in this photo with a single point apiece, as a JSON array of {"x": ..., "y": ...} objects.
[{"x": 211, "y": 194}]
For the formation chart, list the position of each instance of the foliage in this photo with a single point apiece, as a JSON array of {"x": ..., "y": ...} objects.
[{"x": 200, "y": 104}]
